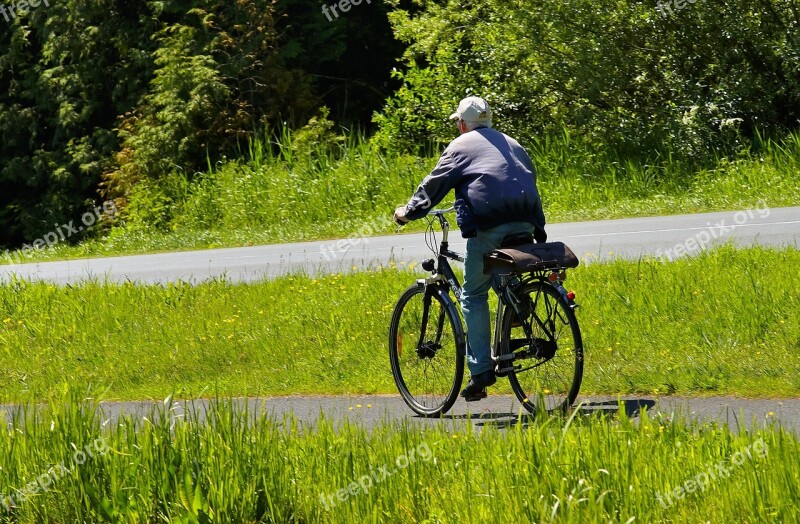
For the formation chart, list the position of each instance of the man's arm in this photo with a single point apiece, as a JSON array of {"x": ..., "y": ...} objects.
[
  {"x": 525, "y": 158},
  {"x": 432, "y": 189},
  {"x": 539, "y": 233}
]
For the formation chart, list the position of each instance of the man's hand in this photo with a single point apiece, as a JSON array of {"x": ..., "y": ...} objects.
[{"x": 400, "y": 216}]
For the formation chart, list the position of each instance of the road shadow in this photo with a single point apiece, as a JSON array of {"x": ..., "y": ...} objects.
[
  {"x": 508, "y": 419},
  {"x": 633, "y": 407}
]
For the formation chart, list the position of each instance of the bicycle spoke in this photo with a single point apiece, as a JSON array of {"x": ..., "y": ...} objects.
[
  {"x": 550, "y": 374},
  {"x": 428, "y": 375}
]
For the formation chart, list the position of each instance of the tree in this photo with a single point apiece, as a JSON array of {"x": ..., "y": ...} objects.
[
  {"x": 623, "y": 75},
  {"x": 66, "y": 71}
]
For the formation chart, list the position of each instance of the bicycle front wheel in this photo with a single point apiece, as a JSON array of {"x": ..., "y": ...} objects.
[
  {"x": 548, "y": 365},
  {"x": 426, "y": 350}
]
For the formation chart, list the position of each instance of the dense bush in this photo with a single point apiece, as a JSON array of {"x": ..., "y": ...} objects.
[
  {"x": 110, "y": 94},
  {"x": 636, "y": 79},
  {"x": 66, "y": 72}
]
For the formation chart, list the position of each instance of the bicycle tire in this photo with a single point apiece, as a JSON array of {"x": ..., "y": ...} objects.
[
  {"x": 430, "y": 371},
  {"x": 549, "y": 377}
]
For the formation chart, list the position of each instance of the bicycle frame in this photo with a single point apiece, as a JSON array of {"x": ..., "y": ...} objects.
[
  {"x": 525, "y": 337},
  {"x": 442, "y": 268},
  {"x": 507, "y": 298},
  {"x": 505, "y": 291}
]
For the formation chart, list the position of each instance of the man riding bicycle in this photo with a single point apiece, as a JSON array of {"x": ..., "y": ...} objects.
[{"x": 496, "y": 196}]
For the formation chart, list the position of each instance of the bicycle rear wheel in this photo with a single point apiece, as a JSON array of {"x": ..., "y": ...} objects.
[
  {"x": 548, "y": 366},
  {"x": 426, "y": 350}
]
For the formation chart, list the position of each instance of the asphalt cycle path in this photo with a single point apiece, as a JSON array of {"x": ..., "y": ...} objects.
[
  {"x": 497, "y": 411},
  {"x": 667, "y": 237}
]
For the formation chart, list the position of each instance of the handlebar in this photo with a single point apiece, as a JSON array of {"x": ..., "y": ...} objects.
[{"x": 440, "y": 212}]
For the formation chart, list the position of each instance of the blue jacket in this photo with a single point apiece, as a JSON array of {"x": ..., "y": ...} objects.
[{"x": 494, "y": 180}]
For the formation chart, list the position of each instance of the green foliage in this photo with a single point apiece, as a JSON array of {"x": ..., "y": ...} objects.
[
  {"x": 107, "y": 95},
  {"x": 218, "y": 74},
  {"x": 66, "y": 72},
  {"x": 184, "y": 93},
  {"x": 620, "y": 75},
  {"x": 313, "y": 143},
  {"x": 311, "y": 179},
  {"x": 136, "y": 100}
]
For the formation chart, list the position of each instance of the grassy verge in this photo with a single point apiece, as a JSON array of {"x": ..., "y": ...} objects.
[
  {"x": 60, "y": 465},
  {"x": 723, "y": 322},
  {"x": 328, "y": 191}
]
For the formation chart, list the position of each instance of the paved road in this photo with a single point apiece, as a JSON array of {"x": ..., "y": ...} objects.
[
  {"x": 499, "y": 411},
  {"x": 669, "y": 237}
]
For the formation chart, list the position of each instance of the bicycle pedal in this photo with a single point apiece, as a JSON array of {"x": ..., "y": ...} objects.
[
  {"x": 476, "y": 396},
  {"x": 504, "y": 364},
  {"x": 503, "y": 371}
]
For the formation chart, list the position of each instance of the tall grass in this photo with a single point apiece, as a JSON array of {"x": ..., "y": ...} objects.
[
  {"x": 723, "y": 322},
  {"x": 309, "y": 185},
  {"x": 288, "y": 189},
  {"x": 231, "y": 465}
]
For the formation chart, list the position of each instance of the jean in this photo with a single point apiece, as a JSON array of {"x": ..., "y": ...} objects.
[{"x": 475, "y": 294}]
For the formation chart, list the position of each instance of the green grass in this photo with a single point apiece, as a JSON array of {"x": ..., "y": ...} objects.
[
  {"x": 237, "y": 466},
  {"x": 721, "y": 323},
  {"x": 329, "y": 190}
]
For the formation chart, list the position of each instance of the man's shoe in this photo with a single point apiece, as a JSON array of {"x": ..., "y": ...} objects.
[{"x": 476, "y": 389}]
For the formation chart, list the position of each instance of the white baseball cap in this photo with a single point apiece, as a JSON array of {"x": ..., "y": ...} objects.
[{"x": 473, "y": 109}]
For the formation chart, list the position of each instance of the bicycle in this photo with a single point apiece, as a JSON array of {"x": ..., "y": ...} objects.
[{"x": 537, "y": 342}]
